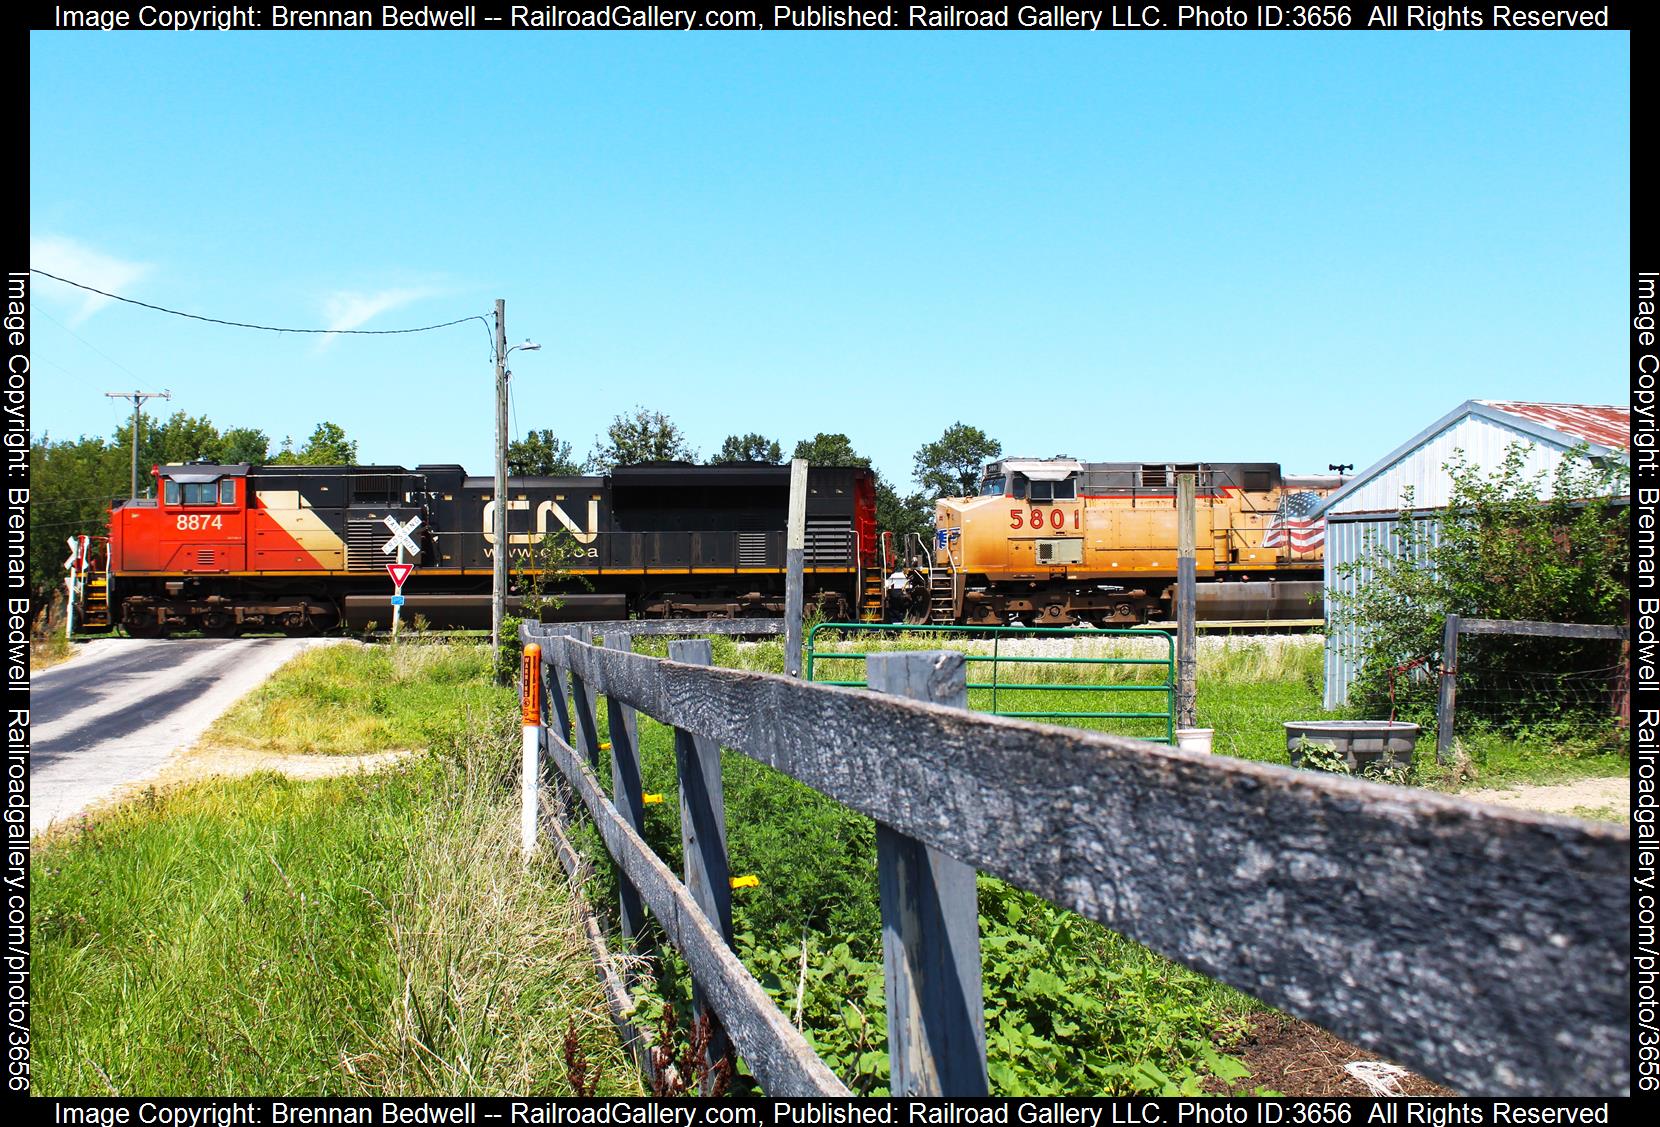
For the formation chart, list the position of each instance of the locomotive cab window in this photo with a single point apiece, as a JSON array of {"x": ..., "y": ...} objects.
[
  {"x": 1054, "y": 490},
  {"x": 993, "y": 487},
  {"x": 222, "y": 492}
]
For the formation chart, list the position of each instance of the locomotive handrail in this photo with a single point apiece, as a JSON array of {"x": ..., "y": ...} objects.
[{"x": 1307, "y": 890}]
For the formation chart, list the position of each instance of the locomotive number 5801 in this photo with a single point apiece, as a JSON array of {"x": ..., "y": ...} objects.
[{"x": 1057, "y": 518}]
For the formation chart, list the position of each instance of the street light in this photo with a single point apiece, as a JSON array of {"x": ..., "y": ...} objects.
[{"x": 498, "y": 586}]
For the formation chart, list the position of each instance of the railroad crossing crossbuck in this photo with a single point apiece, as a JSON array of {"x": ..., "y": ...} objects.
[{"x": 400, "y": 536}]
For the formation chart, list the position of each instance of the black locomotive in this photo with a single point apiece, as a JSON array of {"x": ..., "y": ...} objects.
[{"x": 302, "y": 548}]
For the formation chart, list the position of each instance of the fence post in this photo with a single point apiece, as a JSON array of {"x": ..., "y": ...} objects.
[
  {"x": 530, "y": 769},
  {"x": 1446, "y": 703},
  {"x": 930, "y": 923},
  {"x": 556, "y": 715},
  {"x": 582, "y": 704},
  {"x": 1187, "y": 537},
  {"x": 795, "y": 544},
  {"x": 627, "y": 792},
  {"x": 703, "y": 836}
]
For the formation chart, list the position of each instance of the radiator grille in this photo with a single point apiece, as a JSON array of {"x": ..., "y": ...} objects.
[
  {"x": 363, "y": 541},
  {"x": 752, "y": 549},
  {"x": 204, "y": 557},
  {"x": 829, "y": 542}
]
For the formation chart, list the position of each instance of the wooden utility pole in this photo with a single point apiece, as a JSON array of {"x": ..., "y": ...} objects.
[
  {"x": 1187, "y": 537},
  {"x": 795, "y": 545},
  {"x": 498, "y": 584},
  {"x": 138, "y": 398}
]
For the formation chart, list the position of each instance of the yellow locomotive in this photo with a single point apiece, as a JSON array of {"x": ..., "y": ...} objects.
[{"x": 1058, "y": 542}]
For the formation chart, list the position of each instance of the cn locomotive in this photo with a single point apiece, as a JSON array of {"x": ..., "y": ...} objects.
[
  {"x": 1058, "y": 542},
  {"x": 300, "y": 549}
]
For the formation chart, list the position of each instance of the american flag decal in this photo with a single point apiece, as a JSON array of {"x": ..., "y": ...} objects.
[{"x": 1292, "y": 524}]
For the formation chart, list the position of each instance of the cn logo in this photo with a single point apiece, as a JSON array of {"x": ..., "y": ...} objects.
[{"x": 546, "y": 513}]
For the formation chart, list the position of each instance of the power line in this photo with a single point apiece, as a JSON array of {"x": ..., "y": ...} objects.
[
  {"x": 88, "y": 343},
  {"x": 250, "y": 325}
]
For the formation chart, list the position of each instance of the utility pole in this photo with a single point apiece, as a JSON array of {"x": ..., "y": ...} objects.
[
  {"x": 498, "y": 588},
  {"x": 138, "y": 398}
]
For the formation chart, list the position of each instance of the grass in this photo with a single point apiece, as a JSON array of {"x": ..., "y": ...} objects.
[
  {"x": 364, "y": 935},
  {"x": 351, "y": 699},
  {"x": 1535, "y": 756},
  {"x": 49, "y": 650}
]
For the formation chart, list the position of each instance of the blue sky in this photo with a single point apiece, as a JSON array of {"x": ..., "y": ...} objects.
[{"x": 1288, "y": 247}]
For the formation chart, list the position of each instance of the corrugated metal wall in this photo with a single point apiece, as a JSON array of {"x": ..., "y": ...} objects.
[
  {"x": 1351, "y": 542},
  {"x": 1483, "y": 442}
]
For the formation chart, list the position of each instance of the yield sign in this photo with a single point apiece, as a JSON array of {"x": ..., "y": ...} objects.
[
  {"x": 400, "y": 572},
  {"x": 400, "y": 536}
]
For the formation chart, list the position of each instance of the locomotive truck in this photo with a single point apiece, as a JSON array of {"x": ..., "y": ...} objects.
[
  {"x": 1058, "y": 542},
  {"x": 226, "y": 548}
]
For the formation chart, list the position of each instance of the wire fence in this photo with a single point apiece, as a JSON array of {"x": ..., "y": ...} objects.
[{"x": 1528, "y": 690}]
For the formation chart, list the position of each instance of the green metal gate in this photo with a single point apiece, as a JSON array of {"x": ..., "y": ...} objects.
[{"x": 1005, "y": 697}]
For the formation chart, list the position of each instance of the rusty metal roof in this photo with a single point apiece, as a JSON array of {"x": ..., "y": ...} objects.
[{"x": 1605, "y": 426}]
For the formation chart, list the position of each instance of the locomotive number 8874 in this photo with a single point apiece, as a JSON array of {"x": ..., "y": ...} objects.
[{"x": 223, "y": 548}]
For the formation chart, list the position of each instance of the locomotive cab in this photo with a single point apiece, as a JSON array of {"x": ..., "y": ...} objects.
[
  {"x": 195, "y": 525},
  {"x": 1039, "y": 481}
]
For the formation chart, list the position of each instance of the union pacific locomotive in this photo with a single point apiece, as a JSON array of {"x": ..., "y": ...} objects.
[
  {"x": 303, "y": 548},
  {"x": 1057, "y": 542}
]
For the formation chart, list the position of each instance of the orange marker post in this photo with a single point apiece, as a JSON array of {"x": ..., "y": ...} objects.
[{"x": 530, "y": 698}]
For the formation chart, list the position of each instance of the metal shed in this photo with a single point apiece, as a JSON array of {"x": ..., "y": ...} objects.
[{"x": 1366, "y": 510}]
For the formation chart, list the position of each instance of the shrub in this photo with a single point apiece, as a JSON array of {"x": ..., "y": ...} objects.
[{"x": 1511, "y": 546}]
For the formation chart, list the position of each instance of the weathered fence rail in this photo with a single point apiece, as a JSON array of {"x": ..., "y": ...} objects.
[{"x": 1486, "y": 947}]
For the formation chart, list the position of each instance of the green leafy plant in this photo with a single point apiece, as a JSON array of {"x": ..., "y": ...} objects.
[{"x": 1510, "y": 545}]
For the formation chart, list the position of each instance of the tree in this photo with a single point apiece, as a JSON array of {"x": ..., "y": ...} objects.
[
  {"x": 902, "y": 515},
  {"x": 541, "y": 454},
  {"x": 72, "y": 485},
  {"x": 327, "y": 446},
  {"x": 643, "y": 436},
  {"x": 951, "y": 465},
  {"x": 180, "y": 439},
  {"x": 244, "y": 444},
  {"x": 829, "y": 450},
  {"x": 749, "y": 448},
  {"x": 895, "y": 512},
  {"x": 1509, "y": 546}
]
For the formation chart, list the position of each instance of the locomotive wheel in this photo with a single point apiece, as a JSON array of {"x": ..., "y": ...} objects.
[
  {"x": 217, "y": 624},
  {"x": 297, "y": 624},
  {"x": 143, "y": 629}
]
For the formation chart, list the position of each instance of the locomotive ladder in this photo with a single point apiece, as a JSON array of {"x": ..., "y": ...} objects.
[
  {"x": 871, "y": 598},
  {"x": 95, "y": 607},
  {"x": 942, "y": 596}
]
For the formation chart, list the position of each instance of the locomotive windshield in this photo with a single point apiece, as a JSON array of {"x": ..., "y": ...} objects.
[
  {"x": 1054, "y": 490},
  {"x": 200, "y": 492},
  {"x": 992, "y": 487}
]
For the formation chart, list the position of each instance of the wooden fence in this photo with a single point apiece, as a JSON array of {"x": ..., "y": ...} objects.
[{"x": 1487, "y": 948}]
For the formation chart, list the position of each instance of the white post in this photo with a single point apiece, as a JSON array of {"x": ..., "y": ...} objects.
[
  {"x": 530, "y": 693},
  {"x": 795, "y": 543},
  {"x": 76, "y": 550},
  {"x": 397, "y": 590}
]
